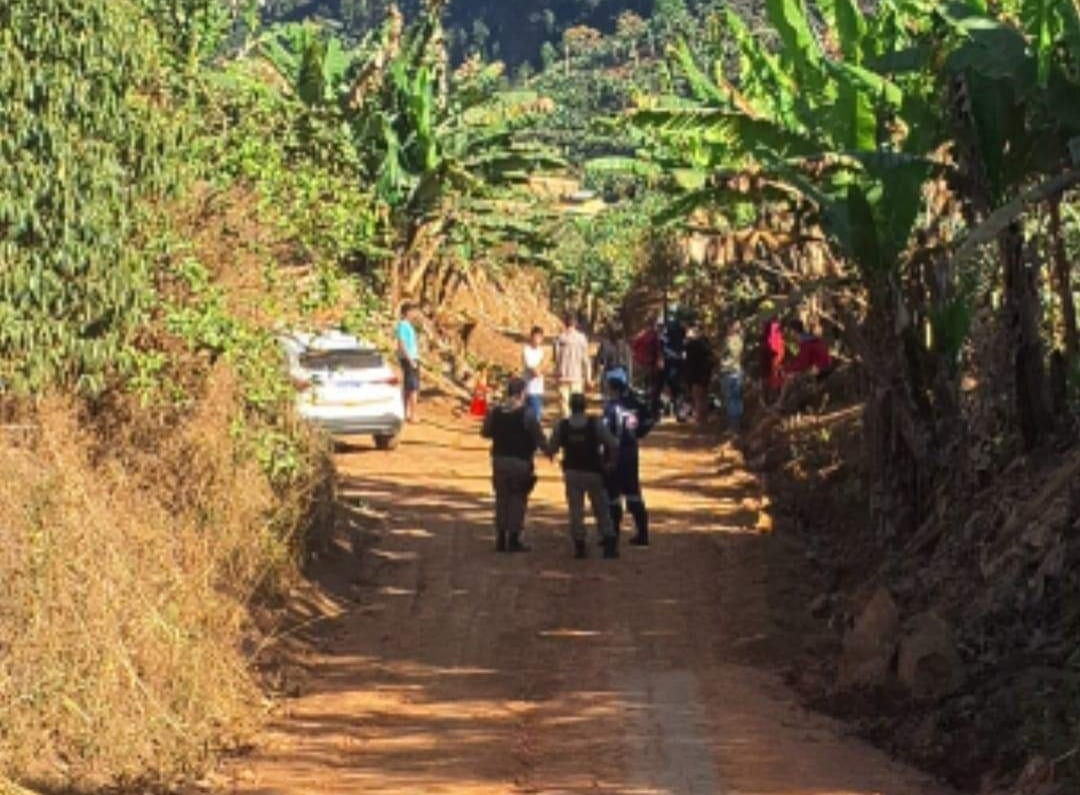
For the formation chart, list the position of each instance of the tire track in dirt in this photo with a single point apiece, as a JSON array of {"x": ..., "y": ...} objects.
[{"x": 455, "y": 670}]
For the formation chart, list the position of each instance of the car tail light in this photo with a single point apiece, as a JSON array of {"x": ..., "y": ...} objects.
[
  {"x": 301, "y": 384},
  {"x": 391, "y": 380}
]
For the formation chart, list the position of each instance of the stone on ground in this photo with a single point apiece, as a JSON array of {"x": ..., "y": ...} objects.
[{"x": 870, "y": 646}]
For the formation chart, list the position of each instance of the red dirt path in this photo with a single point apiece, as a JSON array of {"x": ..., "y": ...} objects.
[{"x": 455, "y": 670}]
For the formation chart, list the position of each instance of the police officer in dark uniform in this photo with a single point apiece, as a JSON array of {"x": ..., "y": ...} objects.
[
  {"x": 629, "y": 420},
  {"x": 588, "y": 450},
  {"x": 516, "y": 437}
]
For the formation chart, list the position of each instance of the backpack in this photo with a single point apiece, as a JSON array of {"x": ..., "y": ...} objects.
[
  {"x": 646, "y": 418},
  {"x": 581, "y": 446}
]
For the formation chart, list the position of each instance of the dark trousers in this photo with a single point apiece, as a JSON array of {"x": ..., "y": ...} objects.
[
  {"x": 513, "y": 480},
  {"x": 625, "y": 485}
]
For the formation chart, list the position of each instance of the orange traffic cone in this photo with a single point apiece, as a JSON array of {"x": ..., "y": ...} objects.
[{"x": 479, "y": 404}]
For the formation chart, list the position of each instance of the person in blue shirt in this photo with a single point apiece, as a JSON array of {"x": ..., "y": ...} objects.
[
  {"x": 629, "y": 420},
  {"x": 408, "y": 351}
]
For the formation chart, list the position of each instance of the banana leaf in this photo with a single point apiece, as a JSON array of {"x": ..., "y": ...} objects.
[
  {"x": 741, "y": 132},
  {"x": 703, "y": 89},
  {"x": 1038, "y": 18},
  {"x": 910, "y": 60},
  {"x": 874, "y": 85}
]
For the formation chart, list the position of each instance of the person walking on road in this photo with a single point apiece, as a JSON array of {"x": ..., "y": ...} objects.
[
  {"x": 813, "y": 352},
  {"x": 609, "y": 354},
  {"x": 629, "y": 420},
  {"x": 533, "y": 357},
  {"x": 647, "y": 361},
  {"x": 698, "y": 367},
  {"x": 516, "y": 437},
  {"x": 572, "y": 364},
  {"x": 772, "y": 359},
  {"x": 589, "y": 449},
  {"x": 408, "y": 351},
  {"x": 673, "y": 353},
  {"x": 731, "y": 375}
]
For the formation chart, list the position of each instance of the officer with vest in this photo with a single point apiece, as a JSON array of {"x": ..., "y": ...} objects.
[
  {"x": 516, "y": 437},
  {"x": 588, "y": 451},
  {"x": 628, "y": 419}
]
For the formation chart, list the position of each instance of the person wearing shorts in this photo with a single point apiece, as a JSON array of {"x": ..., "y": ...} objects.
[{"x": 408, "y": 351}]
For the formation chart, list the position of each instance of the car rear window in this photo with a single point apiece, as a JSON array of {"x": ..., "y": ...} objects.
[{"x": 340, "y": 360}]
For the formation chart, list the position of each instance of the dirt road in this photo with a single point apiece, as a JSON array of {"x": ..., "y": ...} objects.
[{"x": 456, "y": 670}]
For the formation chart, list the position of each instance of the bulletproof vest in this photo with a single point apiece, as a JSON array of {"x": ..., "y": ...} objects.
[
  {"x": 510, "y": 437},
  {"x": 628, "y": 419},
  {"x": 581, "y": 447}
]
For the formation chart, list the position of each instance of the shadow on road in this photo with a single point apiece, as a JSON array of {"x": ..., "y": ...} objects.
[{"x": 453, "y": 669}]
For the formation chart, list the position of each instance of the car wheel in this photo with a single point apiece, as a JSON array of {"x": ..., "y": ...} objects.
[{"x": 384, "y": 442}]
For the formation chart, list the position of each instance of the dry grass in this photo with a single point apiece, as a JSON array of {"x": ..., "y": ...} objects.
[{"x": 126, "y": 573}]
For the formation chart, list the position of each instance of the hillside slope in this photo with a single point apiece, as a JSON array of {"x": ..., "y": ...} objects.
[{"x": 510, "y": 31}]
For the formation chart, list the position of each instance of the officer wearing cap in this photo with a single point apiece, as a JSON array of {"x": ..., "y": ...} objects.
[
  {"x": 629, "y": 420},
  {"x": 516, "y": 437}
]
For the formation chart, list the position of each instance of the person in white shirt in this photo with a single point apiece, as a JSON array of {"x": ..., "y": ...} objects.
[{"x": 533, "y": 356}]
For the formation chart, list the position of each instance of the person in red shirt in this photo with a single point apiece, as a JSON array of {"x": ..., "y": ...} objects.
[
  {"x": 772, "y": 359},
  {"x": 645, "y": 348},
  {"x": 813, "y": 352}
]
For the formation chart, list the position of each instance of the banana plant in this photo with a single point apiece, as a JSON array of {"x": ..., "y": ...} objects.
[
  {"x": 1050, "y": 25},
  {"x": 432, "y": 143},
  {"x": 1013, "y": 81},
  {"x": 814, "y": 115},
  {"x": 836, "y": 115},
  {"x": 313, "y": 64},
  {"x": 436, "y": 143}
]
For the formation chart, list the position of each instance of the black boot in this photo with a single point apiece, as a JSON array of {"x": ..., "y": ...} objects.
[
  {"x": 641, "y": 522},
  {"x": 500, "y": 542},
  {"x": 517, "y": 546},
  {"x": 579, "y": 550},
  {"x": 611, "y": 547},
  {"x": 616, "y": 512},
  {"x": 616, "y": 515}
]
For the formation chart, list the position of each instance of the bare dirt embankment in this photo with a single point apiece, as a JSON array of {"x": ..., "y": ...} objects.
[
  {"x": 953, "y": 646},
  {"x": 435, "y": 665}
]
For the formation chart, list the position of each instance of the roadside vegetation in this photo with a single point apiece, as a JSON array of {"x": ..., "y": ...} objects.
[
  {"x": 905, "y": 181},
  {"x": 180, "y": 180},
  {"x": 179, "y": 184}
]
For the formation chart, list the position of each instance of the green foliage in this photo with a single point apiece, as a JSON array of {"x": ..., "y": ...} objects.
[
  {"x": 839, "y": 117},
  {"x": 799, "y": 109},
  {"x": 514, "y": 32},
  {"x": 1020, "y": 122},
  {"x": 314, "y": 64},
  {"x": 1050, "y": 25},
  {"x": 597, "y": 259},
  {"x": 299, "y": 159},
  {"x": 423, "y": 138},
  {"x": 83, "y": 146},
  {"x": 90, "y": 152},
  {"x": 200, "y": 319},
  {"x": 192, "y": 31}
]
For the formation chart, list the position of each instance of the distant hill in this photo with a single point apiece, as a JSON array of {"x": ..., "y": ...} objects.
[{"x": 509, "y": 30}]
